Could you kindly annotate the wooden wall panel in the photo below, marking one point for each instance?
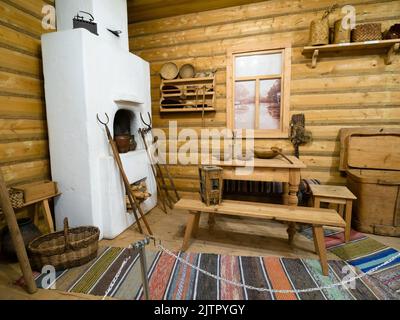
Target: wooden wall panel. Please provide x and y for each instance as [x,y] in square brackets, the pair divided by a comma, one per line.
[23,129]
[353,89]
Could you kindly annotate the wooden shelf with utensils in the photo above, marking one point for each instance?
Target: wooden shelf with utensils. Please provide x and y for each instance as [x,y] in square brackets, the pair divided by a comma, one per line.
[188,95]
[388,46]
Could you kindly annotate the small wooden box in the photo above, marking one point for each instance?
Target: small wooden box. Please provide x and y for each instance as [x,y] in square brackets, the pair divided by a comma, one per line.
[38,190]
[211,184]
[371,159]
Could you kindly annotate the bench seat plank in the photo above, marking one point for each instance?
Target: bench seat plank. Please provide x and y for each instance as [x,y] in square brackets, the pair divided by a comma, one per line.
[313,216]
[292,214]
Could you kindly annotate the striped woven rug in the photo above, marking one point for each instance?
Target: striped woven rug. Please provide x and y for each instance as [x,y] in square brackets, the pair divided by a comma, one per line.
[173,280]
[364,253]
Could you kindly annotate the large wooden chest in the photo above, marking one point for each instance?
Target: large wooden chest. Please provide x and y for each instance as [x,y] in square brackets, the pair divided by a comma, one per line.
[371,159]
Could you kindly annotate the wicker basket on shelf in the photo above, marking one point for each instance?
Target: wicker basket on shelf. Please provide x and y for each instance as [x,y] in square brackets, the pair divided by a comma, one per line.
[65,249]
[367,32]
[319,29]
[16,198]
[319,32]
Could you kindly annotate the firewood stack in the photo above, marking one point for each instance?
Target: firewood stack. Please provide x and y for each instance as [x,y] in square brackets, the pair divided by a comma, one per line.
[140,192]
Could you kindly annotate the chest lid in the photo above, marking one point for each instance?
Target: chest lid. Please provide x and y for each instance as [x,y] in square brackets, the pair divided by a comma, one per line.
[370,148]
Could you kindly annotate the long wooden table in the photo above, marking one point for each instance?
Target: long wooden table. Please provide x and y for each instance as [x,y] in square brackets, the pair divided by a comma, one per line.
[317,218]
[268,170]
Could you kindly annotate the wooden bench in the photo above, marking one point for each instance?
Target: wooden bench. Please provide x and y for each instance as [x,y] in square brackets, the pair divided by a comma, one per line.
[317,218]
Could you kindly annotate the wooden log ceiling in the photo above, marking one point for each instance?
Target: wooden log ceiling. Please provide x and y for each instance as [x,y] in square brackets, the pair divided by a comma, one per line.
[144,10]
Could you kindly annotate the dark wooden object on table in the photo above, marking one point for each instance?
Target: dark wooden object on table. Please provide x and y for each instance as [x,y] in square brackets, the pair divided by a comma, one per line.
[16,237]
[211,184]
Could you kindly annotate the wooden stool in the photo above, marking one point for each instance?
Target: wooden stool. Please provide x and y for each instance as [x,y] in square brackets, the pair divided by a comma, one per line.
[338,195]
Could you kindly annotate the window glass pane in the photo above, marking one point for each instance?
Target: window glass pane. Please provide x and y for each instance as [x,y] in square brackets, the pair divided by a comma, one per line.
[245,104]
[270,104]
[258,65]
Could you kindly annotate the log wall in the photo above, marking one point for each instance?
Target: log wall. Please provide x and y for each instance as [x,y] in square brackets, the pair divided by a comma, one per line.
[23,137]
[346,90]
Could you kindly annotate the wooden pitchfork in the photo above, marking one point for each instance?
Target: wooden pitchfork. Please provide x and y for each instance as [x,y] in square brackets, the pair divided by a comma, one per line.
[154,170]
[131,196]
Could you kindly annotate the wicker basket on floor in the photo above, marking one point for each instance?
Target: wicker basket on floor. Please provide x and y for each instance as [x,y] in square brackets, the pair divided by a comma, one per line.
[65,249]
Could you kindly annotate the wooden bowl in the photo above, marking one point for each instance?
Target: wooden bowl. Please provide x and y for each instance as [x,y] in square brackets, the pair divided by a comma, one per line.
[265,154]
[169,71]
[187,71]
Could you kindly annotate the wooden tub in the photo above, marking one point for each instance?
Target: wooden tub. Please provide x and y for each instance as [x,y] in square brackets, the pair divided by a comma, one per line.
[371,159]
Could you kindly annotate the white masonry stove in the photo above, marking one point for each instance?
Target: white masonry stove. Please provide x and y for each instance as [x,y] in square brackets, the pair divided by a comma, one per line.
[86,75]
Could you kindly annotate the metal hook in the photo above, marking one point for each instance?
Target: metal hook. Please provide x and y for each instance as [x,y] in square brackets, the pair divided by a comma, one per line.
[148,125]
[103,123]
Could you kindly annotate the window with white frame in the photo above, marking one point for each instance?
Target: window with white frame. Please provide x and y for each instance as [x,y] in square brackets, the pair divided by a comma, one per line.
[258,83]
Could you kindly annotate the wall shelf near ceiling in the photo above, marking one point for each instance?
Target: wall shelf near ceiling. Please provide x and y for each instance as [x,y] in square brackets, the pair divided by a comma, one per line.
[188,95]
[388,46]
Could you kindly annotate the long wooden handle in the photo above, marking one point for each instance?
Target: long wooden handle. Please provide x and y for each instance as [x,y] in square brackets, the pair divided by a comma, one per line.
[132,199]
[16,237]
[154,169]
[276,150]
[126,182]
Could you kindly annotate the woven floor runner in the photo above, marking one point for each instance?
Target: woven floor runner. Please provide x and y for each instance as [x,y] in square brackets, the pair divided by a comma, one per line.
[172,280]
[364,253]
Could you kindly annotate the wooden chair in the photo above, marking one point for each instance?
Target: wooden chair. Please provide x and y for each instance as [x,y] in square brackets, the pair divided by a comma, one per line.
[338,195]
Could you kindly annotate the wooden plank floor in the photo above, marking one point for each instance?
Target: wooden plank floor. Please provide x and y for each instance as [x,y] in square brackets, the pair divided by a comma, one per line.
[234,236]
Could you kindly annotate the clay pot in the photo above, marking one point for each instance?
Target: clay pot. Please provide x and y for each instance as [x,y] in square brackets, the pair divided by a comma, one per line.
[123,143]
[29,232]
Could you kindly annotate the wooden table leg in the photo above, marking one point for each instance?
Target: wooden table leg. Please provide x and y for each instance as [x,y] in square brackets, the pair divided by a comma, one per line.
[294,184]
[347,218]
[47,215]
[320,248]
[286,193]
[291,231]
[193,217]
